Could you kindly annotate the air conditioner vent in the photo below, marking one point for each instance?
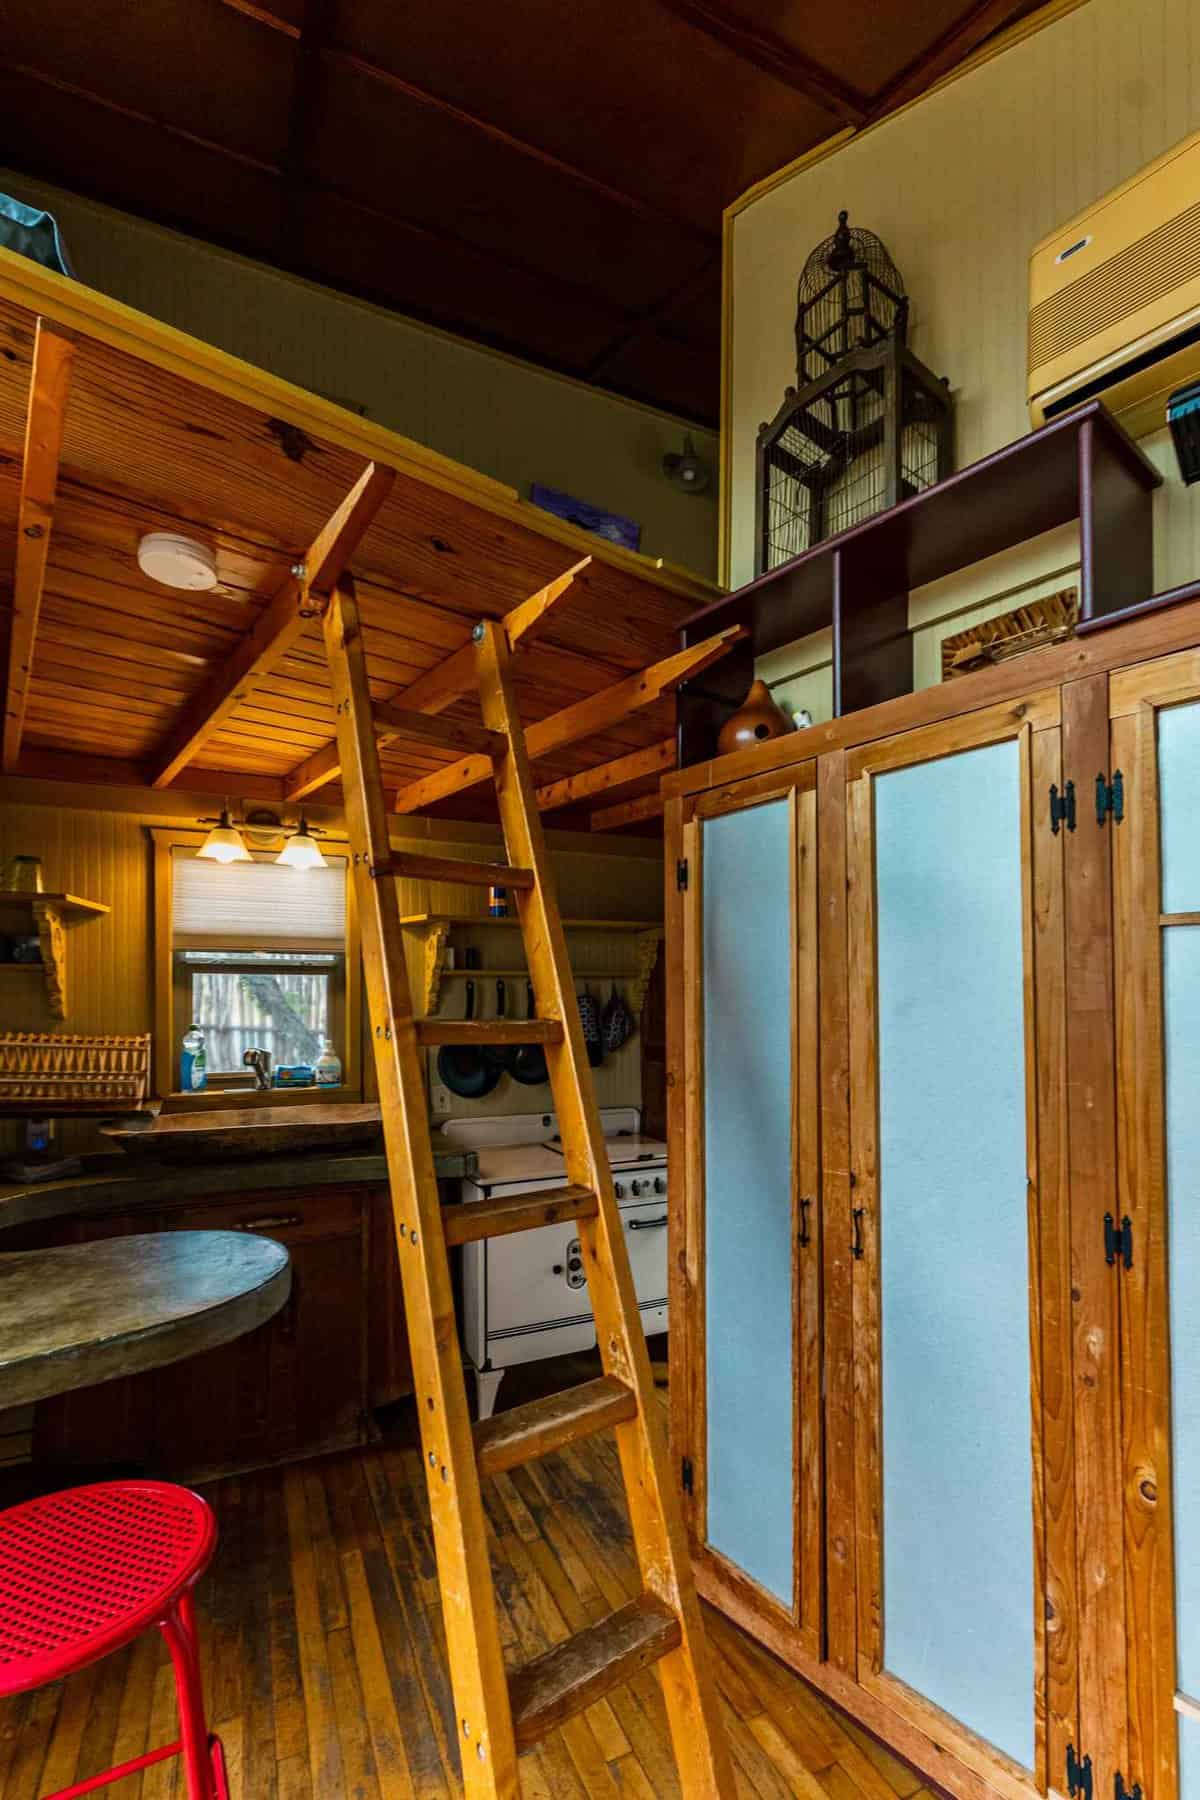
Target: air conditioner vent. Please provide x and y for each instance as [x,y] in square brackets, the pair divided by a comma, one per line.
[1136,277]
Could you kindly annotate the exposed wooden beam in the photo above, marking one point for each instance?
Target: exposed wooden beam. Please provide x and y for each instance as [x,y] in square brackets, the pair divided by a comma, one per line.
[277,627]
[440,686]
[450,734]
[650,319]
[605,776]
[631,812]
[49,389]
[781,60]
[586,718]
[306,81]
[977,24]
[484,127]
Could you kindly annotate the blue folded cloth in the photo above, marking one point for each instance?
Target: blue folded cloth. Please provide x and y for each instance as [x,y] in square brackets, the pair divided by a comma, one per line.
[34,234]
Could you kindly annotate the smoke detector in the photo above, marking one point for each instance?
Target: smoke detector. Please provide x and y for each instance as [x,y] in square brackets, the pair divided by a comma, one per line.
[178,562]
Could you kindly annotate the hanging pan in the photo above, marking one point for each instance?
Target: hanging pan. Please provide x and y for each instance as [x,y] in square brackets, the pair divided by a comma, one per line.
[464,1068]
[528,1065]
[501,1057]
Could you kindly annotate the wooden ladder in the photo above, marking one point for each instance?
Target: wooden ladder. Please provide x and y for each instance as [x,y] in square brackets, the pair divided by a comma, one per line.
[499,1714]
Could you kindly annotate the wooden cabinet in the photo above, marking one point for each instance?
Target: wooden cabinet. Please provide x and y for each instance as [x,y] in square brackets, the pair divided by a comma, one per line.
[297,1385]
[934,1067]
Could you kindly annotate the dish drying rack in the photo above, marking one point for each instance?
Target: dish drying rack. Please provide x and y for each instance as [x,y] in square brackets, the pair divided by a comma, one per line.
[61,1074]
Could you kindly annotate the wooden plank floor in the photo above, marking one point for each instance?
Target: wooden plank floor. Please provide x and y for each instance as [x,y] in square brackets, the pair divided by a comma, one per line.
[324,1667]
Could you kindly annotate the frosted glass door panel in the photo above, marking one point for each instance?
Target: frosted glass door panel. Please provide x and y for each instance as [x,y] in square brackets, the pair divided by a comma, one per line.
[748,955]
[958,1595]
[1189,1758]
[1178,784]
[1181,1008]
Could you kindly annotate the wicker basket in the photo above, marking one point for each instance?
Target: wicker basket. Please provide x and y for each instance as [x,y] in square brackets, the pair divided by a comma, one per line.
[73,1073]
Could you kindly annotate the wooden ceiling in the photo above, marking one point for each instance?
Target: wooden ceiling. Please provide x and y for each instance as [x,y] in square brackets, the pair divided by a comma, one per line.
[112,425]
[543,178]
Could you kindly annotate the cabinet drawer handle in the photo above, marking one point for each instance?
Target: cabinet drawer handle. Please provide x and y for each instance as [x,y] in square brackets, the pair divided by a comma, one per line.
[856,1249]
[805,1236]
[648,1224]
[271,1222]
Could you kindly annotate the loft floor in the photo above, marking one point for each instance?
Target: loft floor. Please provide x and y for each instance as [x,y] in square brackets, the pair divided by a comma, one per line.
[325,1671]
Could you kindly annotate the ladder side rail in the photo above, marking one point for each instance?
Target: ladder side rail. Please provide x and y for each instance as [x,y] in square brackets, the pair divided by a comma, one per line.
[654,1508]
[485,1731]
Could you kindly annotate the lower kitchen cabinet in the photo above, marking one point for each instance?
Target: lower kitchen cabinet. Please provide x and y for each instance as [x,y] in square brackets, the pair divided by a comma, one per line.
[295,1386]
[298,1383]
[933,1003]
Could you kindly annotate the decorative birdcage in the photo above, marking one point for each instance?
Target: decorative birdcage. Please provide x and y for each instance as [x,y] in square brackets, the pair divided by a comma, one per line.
[868,425]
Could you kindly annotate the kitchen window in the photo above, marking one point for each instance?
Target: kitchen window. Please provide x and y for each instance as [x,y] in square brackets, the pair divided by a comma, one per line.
[259,956]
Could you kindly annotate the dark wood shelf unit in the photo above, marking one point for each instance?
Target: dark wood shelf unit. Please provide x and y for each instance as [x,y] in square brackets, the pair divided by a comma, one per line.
[1082,466]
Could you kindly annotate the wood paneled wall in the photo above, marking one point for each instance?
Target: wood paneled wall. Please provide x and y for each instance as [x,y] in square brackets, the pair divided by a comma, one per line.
[960,186]
[105,855]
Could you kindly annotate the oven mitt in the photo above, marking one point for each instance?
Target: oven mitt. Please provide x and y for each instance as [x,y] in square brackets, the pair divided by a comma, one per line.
[589,1018]
[616,1022]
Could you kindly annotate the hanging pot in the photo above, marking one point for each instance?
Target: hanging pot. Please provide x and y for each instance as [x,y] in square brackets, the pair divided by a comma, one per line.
[617,1024]
[464,1068]
[529,1060]
[756,719]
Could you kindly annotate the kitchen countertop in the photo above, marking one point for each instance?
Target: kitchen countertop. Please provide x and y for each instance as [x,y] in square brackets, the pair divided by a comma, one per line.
[111,1181]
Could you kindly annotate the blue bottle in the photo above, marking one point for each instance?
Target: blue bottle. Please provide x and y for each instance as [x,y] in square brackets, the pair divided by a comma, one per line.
[193,1061]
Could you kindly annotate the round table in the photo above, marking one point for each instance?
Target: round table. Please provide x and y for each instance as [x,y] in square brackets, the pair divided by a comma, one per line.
[89,1312]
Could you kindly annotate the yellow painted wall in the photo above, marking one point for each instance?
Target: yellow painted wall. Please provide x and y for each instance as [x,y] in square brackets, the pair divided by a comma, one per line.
[493,413]
[960,187]
[106,855]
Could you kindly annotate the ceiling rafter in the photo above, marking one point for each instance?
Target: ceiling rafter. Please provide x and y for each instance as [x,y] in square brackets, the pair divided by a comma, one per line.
[429,234]
[441,685]
[629,812]
[49,390]
[620,772]
[953,47]
[277,627]
[485,127]
[775,57]
[306,82]
[650,320]
[585,718]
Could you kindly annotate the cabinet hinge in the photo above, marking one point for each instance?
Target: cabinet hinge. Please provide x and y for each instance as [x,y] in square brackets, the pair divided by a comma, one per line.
[1062,806]
[1121,1792]
[686,1475]
[681,873]
[1110,798]
[1079,1774]
[1118,1240]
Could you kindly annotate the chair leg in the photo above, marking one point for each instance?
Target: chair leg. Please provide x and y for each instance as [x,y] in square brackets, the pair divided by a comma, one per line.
[179,1629]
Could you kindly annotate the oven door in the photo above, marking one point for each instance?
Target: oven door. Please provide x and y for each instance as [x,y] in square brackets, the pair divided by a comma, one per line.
[645,1224]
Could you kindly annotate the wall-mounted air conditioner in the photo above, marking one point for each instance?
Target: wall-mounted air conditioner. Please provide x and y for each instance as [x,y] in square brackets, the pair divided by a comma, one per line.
[1114,298]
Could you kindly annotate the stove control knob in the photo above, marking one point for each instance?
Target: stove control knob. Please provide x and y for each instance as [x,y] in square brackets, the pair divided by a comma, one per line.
[660,1186]
[635,1188]
[618,1190]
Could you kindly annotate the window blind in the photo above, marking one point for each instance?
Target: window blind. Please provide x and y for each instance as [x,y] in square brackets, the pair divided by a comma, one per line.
[257,905]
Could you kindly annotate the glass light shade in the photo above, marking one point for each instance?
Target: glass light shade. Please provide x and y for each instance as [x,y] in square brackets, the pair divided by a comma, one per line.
[301,850]
[224,843]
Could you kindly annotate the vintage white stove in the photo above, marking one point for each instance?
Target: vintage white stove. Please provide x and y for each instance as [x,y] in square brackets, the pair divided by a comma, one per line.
[525,1296]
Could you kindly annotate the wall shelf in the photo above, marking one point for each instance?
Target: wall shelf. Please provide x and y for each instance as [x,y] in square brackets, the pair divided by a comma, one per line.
[428,938]
[51,917]
[1082,466]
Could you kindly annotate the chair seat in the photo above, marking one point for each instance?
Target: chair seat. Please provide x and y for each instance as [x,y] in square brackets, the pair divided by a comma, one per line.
[84,1571]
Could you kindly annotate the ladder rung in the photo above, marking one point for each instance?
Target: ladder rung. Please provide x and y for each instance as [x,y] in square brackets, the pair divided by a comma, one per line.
[412,866]
[489,1031]
[434,728]
[540,1426]
[516,1212]
[584,1668]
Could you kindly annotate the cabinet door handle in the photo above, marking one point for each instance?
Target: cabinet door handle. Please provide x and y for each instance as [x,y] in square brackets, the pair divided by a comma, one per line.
[648,1224]
[805,1236]
[271,1222]
[856,1248]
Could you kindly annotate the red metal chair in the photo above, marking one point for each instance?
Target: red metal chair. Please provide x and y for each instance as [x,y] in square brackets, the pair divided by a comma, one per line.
[83,1573]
